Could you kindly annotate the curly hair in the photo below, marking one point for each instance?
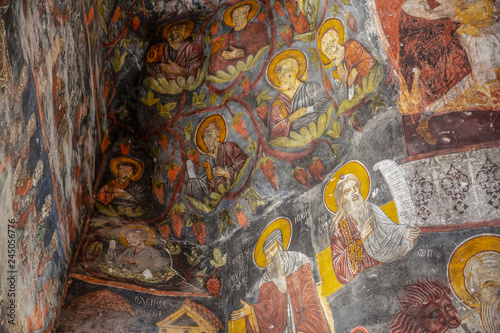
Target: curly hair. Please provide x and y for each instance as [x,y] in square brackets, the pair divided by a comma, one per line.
[412,298]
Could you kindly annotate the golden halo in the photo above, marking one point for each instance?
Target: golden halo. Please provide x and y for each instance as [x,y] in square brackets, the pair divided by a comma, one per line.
[254,8]
[327,24]
[458,259]
[213,118]
[115,162]
[357,169]
[286,230]
[298,55]
[123,234]
[189,28]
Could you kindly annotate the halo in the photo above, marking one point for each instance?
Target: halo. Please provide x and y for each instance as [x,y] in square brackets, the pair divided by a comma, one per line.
[254,8]
[458,259]
[123,234]
[286,229]
[115,162]
[327,24]
[357,169]
[213,118]
[189,28]
[298,55]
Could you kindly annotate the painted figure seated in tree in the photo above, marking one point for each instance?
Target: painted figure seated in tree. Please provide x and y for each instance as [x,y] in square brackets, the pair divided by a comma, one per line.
[121,196]
[178,56]
[139,257]
[350,58]
[246,38]
[298,103]
[226,157]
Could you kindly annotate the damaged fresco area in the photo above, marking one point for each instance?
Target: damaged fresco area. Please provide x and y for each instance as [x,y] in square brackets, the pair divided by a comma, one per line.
[47,157]
[269,165]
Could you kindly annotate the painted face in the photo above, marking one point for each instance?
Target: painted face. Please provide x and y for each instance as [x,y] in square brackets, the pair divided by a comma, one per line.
[240,17]
[134,239]
[438,316]
[350,191]
[176,35]
[124,172]
[489,281]
[271,252]
[330,46]
[211,139]
[287,71]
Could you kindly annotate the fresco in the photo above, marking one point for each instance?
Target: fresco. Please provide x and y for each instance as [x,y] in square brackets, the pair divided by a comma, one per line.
[45,169]
[257,165]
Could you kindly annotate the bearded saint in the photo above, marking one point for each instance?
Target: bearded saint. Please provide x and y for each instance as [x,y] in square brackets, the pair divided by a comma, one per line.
[288,300]
[482,281]
[363,235]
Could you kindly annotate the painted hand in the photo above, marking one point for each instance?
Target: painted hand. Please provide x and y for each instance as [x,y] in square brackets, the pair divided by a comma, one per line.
[243,312]
[298,114]
[221,172]
[342,71]
[411,234]
[367,229]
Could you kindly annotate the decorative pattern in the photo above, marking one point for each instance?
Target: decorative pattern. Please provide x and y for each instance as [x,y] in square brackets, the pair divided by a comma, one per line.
[488,177]
[456,185]
[422,191]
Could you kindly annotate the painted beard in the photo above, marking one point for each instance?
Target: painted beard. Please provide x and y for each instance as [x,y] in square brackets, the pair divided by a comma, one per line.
[490,316]
[355,208]
[276,271]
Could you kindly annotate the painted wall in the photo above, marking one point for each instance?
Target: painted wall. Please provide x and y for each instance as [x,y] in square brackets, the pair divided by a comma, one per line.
[316,165]
[47,156]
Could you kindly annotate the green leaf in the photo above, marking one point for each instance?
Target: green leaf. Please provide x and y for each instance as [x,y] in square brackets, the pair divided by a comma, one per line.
[335,9]
[164,110]
[213,99]
[198,99]
[207,39]
[188,130]
[251,147]
[279,44]
[150,100]
[346,2]
[376,103]
[227,95]
[102,11]
[118,60]
[334,151]
[263,96]
[314,56]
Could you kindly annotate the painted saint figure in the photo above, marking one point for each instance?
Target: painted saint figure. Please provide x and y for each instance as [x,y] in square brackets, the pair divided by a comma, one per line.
[298,103]
[351,59]
[302,14]
[288,299]
[362,235]
[482,282]
[226,157]
[177,57]
[426,306]
[140,256]
[121,191]
[246,38]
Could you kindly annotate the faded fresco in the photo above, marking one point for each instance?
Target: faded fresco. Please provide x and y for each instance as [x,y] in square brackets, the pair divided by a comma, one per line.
[46,156]
[253,166]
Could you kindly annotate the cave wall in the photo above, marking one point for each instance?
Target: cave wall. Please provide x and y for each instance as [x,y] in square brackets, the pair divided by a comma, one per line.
[175,239]
[47,156]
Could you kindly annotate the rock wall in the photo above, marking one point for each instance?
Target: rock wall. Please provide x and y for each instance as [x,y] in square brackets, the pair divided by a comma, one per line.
[47,156]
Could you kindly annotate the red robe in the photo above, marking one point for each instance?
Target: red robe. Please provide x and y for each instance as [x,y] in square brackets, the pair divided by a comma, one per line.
[357,56]
[349,257]
[188,56]
[432,47]
[229,157]
[250,39]
[271,308]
